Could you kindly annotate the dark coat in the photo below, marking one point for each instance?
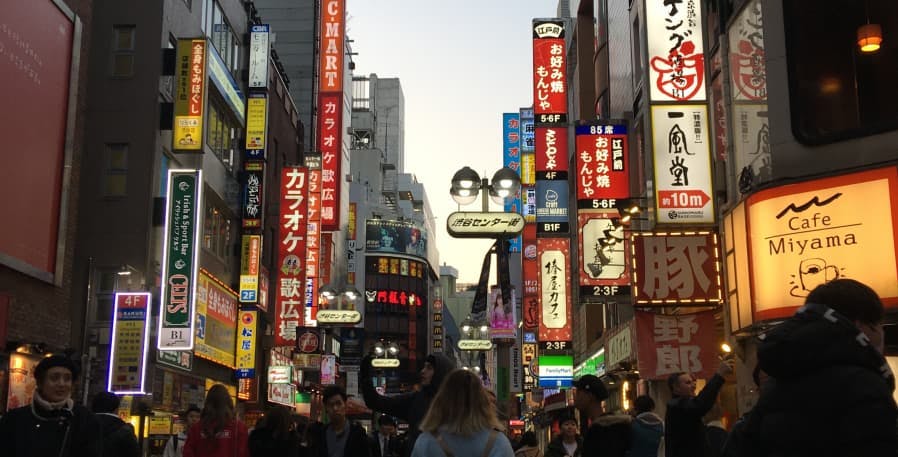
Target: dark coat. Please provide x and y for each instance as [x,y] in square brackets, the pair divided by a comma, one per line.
[608,436]
[262,443]
[393,444]
[715,439]
[410,407]
[646,433]
[31,431]
[356,443]
[119,438]
[829,393]
[685,432]
[556,448]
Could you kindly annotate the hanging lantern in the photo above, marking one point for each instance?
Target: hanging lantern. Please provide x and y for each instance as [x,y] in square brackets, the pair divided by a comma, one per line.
[869,37]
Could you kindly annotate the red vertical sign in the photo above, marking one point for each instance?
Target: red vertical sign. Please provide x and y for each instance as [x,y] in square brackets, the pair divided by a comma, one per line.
[676,268]
[554,285]
[549,71]
[530,267]
[290,284]
[672,344]
[330,143]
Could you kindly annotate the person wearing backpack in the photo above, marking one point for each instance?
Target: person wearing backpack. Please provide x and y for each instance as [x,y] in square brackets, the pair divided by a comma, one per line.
[175,445]
[119,438]
[461,422]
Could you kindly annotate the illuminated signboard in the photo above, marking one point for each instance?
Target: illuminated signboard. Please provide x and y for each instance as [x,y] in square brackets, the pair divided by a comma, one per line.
[554,278]
[259,48]
[293,223]
[675,50]
[251,247]
[190,99]
[216,320]
[256,125]
[556,371]
[683,343]
[253,193]
[602,163]
[246,344]
[675,268]
[130,340]
[464,224]
[603,255]
[330,143]
[549,71]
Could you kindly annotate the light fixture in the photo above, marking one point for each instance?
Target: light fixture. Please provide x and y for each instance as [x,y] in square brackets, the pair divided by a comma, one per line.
[484,329]
[393,348]
[379,348]
[725,347]
[869,37]
[505,184]
[466,178]
[328,293]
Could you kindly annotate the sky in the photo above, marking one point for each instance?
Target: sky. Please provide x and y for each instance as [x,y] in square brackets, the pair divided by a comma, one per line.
[461,65]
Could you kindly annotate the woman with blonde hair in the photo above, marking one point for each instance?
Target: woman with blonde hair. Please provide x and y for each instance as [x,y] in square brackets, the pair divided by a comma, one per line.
[462,422]
[218,433]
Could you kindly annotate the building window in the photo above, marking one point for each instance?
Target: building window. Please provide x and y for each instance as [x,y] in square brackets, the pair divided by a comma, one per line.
[189,4]
[104,285]
[217,231]
[123,51]
[222,132]
[836,91]
[221,34]
[115,178]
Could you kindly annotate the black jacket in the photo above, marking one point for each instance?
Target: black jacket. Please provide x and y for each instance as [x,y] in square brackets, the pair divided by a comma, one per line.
[608,436]
[356,444]
[393,444]
[830,394]
[684,434]
[31,431]
[556,448]
[118,437]
[262,443]
[411,406]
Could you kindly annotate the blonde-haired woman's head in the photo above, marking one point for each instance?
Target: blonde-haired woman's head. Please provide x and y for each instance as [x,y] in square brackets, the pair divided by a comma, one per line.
[461,406]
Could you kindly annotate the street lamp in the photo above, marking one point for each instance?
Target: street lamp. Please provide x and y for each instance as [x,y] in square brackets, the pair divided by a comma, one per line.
[466,184]
[475,335]
[385,355]
[339,307]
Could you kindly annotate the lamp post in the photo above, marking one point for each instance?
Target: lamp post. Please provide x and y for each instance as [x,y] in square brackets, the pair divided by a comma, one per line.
[466,184]
[339,306]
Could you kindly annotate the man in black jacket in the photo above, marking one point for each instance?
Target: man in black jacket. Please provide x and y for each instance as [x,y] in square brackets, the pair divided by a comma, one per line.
[608,434]
[410,407]
[119,438]
[684,430]
[339,437]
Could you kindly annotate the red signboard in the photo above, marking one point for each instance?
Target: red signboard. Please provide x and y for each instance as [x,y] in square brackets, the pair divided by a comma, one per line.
[530,267]
[602,169]
[549,71]
[551,150]
[603,251]
[290,284]
[669,344]
[330,57]
[675,268]
[330,143]
[554,290]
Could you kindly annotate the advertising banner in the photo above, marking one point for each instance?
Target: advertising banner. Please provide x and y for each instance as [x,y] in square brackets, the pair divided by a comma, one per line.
[530,273]
[264,280]
[177,359]
[748,63]
[511,158]
[527,131]
[682,159]
[528,359]
[751,141]
[253,193]
[256,125]
[602,169]
[556,371]
[246,344]
[675,50]
[259,48]
[331,48]
[529,209]
[619,345]
[516,383]
[551,153]
[328,369]
[281,394]
[675,268]
[603,255]
[216,320]
[351,253]
[549,71]
[555,299]
[676,343]
[251,252]
[552,207]
[404,237]
[313,244]
[190,98]
[291,255]
[130,341]
[180,259]
[21,380]
[806,234]
[330,143]
[502,319]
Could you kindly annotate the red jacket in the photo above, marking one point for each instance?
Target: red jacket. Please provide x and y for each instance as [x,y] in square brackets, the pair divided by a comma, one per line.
[230,442]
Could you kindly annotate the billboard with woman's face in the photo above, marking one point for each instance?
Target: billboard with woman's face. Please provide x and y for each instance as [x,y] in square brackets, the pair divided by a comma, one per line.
[403,237]
[501,314]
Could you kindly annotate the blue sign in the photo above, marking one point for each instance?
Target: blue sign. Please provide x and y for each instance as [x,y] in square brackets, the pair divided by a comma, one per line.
[555,382]
[551,201]
[604,129]
[245,373]
[511,158]
[530,337]
[247,296]
[527,130]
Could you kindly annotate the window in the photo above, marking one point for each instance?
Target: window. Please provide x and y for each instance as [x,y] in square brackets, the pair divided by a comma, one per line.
[123,51]
[104,285]
[217,231]
[221,34]
[115,179]
[222,131]
[836,91]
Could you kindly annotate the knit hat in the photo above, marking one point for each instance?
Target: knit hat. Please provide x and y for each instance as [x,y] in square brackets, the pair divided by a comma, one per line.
[593,385]
[55,361]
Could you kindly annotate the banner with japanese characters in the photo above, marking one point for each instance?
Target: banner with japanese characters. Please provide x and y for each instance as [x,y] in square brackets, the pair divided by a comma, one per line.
[668,344]
[527,131]
[330,143]
[601,158]
[130,340]
[555,297]
[351,243]
[253,193]
[190,97]
[680,268]
[250,255]
[313,246]
[259,49]
[682,159]
[675,50]
[331,46]
[603,254]
[549,71]
[256,125]
[530,273]
[246,344]
[216,320]
[291,244]
[552,181]
[511,158]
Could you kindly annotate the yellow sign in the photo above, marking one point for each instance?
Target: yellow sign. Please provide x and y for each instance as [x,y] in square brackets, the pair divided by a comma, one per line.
[246,344]
[216,325]
[256,110]
[190,99]
[806,234]
[160,425]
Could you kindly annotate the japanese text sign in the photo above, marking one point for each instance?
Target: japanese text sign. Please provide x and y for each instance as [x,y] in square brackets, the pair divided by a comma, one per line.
[671,344]
[259,48]
[511,158]
[253,192]
[603,253]
[549,71]
[330,143]
[619,346]
[530,274]
[601,158]
[246,344]
[216,316]
[682,158]
[331,50]
[313,246]
[527,130]
[748,57]
[555,299]
[809,233]
[551,153]
[675,268]
[291,255]
[256,125]
[251,248]
[130,340]
[552,207]
[180,259]
[190,100]
[675,50]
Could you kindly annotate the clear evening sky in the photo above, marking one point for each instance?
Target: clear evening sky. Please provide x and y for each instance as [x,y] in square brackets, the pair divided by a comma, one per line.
[461,63]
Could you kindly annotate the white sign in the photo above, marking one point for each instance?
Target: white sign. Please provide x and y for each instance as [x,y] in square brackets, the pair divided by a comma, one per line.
[553,294]
[619,347]
[484,224]
[682,158]
[384,363]
[281,394]
[259,48]
[556,371]
[475,345]
[280,374]
[751,140]
[338,316]
[675,50]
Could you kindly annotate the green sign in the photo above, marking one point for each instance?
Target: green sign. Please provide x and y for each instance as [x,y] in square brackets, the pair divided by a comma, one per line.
[179,273]
[177,359]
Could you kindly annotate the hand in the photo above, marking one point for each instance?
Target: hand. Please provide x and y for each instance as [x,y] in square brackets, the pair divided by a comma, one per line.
[726,367]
